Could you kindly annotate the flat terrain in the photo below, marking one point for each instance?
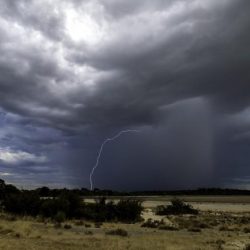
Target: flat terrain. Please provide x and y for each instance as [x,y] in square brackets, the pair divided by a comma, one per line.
[223,223]
[204,203]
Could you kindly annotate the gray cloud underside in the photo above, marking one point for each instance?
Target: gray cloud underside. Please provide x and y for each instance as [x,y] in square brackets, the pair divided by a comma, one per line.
[152,62]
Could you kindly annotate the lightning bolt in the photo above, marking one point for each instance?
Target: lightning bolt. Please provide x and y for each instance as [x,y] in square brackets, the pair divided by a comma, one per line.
[101,149]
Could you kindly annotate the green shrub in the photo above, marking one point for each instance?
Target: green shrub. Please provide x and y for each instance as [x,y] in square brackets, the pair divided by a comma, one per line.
[68,203]
[244,220]
[126,210]
[168,228]
[177,207]
[17,235]
[194,229]
[202,225]
[79,223]
[129,210]
[60,217]
[74,204]
[246,230]
[119,232]
[98,224]
[220,242]
[48,208]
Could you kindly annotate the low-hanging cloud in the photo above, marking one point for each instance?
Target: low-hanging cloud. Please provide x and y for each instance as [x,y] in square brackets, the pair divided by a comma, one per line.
[12,157]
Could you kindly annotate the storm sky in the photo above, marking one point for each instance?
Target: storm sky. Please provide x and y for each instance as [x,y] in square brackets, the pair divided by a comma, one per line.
[73,73]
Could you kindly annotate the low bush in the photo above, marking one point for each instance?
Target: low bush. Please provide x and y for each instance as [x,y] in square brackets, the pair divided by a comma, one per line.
[119,232]
[60,217]
[17,235]
[88,233]
[177,207]
[126,210]
[244,220]
[228,229]
[246,230]
[98,224]
[67,226]
[168,228]
[129,210]
[202,225]
[220,242]
[79,223]
[194,229]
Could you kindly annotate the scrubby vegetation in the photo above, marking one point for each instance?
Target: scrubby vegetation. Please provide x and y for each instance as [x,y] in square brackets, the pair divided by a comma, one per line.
[126,210]
[118,232]
[67,205]
[66,221]
[160,224]
[152,223]
[177,207]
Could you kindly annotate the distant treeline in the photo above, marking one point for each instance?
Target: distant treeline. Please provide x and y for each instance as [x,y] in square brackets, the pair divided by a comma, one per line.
[84,192]
[46,192]
[199,191]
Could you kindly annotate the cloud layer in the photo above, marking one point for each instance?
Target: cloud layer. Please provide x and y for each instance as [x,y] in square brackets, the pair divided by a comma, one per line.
[75,72]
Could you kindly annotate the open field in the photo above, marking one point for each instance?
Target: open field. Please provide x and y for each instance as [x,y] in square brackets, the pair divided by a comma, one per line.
[215,228]
[191,198]
[204,203]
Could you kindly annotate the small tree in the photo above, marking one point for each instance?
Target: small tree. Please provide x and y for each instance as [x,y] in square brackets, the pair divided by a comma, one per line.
[129,210]
[60,217]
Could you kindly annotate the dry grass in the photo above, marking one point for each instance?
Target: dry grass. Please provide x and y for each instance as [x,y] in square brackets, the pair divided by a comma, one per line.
[208,230]
[30,234]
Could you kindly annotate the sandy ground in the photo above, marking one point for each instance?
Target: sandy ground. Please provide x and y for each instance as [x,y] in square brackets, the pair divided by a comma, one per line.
[29,234]
[207,206]
[222,224]
[234,204]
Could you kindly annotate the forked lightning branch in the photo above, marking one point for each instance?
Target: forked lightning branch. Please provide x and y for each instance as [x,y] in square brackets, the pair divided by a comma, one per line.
[101,149]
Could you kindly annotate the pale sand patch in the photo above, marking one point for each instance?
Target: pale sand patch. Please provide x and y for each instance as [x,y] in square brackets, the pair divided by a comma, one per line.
[228,204]
[149,214]
[207,206]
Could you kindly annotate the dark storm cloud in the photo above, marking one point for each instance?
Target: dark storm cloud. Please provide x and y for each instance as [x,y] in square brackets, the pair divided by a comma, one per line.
[74,72]
[205,54]
[175,55]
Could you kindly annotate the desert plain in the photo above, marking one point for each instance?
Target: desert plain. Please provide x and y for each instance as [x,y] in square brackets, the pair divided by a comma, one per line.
[223,222]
